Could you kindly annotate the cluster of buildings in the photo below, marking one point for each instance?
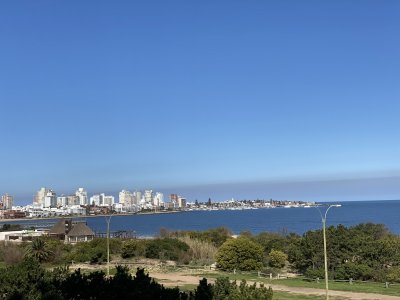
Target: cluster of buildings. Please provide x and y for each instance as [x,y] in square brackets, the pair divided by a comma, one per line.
[46,203]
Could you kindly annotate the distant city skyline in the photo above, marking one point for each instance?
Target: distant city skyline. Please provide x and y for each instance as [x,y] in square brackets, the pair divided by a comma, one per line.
[286,100]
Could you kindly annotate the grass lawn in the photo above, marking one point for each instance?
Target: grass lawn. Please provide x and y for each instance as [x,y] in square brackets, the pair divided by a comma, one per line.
[370,287]
[278,295]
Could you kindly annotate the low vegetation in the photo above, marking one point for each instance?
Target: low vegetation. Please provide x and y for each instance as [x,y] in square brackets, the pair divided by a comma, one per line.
[29,280]
[240,254]
[363,252]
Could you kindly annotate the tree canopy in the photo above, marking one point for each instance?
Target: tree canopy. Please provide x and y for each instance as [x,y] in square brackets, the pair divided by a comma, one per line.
[241,253]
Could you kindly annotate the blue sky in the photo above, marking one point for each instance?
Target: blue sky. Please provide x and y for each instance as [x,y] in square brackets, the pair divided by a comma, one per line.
[244,99]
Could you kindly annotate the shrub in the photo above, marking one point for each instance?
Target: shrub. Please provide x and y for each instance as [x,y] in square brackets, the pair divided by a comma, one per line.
[315,273]
[12,254]
[277,259]
[393,274]
[202,252]
[353,270]
[168,249]
[241,253]
[132,248]
[216,236]
[224,289]
[94,251]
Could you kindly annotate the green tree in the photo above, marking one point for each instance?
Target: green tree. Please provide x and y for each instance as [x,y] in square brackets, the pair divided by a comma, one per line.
[365,251]
[38,250]
[204,290]
[27,280]
[241,254]
[277,259]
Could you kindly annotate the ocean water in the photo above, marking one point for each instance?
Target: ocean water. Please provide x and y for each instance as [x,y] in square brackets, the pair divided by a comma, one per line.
[298,220]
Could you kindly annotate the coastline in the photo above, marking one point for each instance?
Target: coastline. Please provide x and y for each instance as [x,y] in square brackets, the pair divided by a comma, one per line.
[90,216]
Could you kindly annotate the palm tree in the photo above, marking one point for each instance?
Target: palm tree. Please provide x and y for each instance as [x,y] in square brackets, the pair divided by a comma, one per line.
[38,250]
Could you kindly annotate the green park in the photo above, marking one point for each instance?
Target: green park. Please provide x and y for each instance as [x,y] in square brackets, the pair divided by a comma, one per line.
[209,264]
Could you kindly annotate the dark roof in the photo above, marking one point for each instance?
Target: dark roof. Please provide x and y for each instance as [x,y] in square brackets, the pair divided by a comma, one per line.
[80,229]
[59,228]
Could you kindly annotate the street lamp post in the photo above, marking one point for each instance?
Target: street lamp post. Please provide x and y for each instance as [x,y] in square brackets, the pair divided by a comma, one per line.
[108,220]
[323,218]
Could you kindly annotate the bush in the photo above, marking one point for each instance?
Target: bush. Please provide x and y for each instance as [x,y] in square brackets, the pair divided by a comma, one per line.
[315,273]
[216,236]
[241,254]
[133,248]
[201,252]
[355,271]
[12,254]
[277,259]
[115,244]
[94,251]
[166,249]
[224,289]
[29,280]
[393,275]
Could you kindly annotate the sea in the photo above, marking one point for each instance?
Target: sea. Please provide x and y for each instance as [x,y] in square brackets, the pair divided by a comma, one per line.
[280,220]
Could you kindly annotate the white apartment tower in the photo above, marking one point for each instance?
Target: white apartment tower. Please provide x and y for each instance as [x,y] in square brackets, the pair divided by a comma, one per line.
[96,200]
[40,195]
[102,200]
[138,197]
[73,200]
[126,198]
[108,200]
[62,200]
[7,201]
[181,202]
[148,196]
[82,195]
[50,200]
[158,200]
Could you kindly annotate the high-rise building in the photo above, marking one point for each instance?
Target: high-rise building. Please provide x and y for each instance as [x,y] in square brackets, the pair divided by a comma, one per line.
[96,200]
[158,199]
[138,197]
[40,195]
[62,200]
[73,200]
[108,200]
[7,201]
[181,202]
[148,196]
[126,198]
[50,200]
[82,195]
[102,200]
[174,199]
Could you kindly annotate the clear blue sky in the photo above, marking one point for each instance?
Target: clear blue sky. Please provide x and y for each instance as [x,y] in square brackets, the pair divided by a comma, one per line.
[220,99]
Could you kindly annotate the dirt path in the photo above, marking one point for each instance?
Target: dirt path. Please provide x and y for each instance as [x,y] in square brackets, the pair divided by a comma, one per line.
[179,279]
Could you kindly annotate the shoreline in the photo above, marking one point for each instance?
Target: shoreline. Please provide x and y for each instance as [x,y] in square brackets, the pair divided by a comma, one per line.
[90,216]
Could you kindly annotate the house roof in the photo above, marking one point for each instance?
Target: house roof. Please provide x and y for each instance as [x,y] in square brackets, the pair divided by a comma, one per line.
[58,228]
[80,229]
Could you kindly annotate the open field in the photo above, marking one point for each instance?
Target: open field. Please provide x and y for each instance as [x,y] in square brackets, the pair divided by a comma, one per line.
[281,290]
[293,288]
[365,287]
